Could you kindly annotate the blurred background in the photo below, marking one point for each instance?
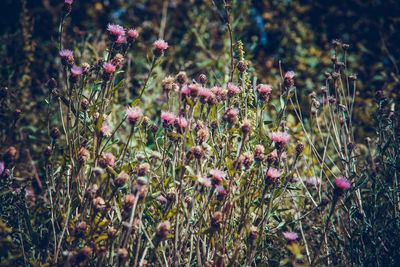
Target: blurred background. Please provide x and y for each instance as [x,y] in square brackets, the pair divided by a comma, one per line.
[296,32]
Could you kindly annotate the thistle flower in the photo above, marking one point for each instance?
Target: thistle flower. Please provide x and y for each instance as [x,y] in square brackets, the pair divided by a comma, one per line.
[122,178]
[217,176]
[221,192]
[181,123]
[232,89]
[231,115]
[159,47]
[181,77]
[105,129]
[204,181]
[75,71]
[264,91]
[83,155]
[115,31]
[168,83]
[219,92]
[108,161]
[133,114]
[313,181]
[291,236]
[288,80]
[121,39]
[129,201]
[109,67]
[259,153]
[167,118]
[69,2]
[67,6]
[161,198]
[204,93]
[273,173]
[67,57]
[280,139]
[132,35]
[341,184]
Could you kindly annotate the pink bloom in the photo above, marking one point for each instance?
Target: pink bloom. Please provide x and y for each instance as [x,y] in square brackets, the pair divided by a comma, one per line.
[264,88]
[109,67]
[160,44]
[290,75]
[273,173]
[233,89]
[218,174]
[121,39]
[133,114]
[232,111]
[161,198]
[313,181]
[133,33]
[275,154]
[342,183]
[205,92]
[182,122]
[280,137]
[217,90]
[68,2]
[75,71]
[221,190]
[105,129]
[204,181]
[290,236]
[66,53]
[168,117]
[185,90]
[110,159]
[115,29]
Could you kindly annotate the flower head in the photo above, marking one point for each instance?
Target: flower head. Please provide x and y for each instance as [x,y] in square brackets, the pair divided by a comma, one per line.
[68,2]
[181,122]
[133,33]
[75,71]
[109,67]
[109,159]
[66,53]
[221,190]
[121,39]
[185,90]
[290,75]
[233,89]
[313,181]
[105,129]
[133,114]
[264,88]
[290,236]
[218,174]
[115,29]
[342,183]
[168,117]
[204,181]
[160,44]
[280,137]
[204,92]
[161,198]
[275,154]
[273,173]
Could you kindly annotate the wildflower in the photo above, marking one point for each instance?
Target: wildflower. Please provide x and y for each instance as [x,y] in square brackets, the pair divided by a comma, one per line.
[259,153]
[184,90]
[105,129]
[194,90]
[122,178]
[121,40]
[280,139]
[108,161]
[216,220]
[271,175]
[204,93]
[202,135]
[232,89]
[221,192]
[98,203]
[168,84]
[246,126]
[217,176]
[313,181]
[69,2]
[117,61]
[264,91]
[290,236]
[204,181]
[83,155]
[75,72]
[248,159]
[109,69]
[212,100]
[181,123]
[115,31]
[341,184]
[142,169]
[181,77]
[129,201]
[219,92]
[242,66]
[67,57]
[132,35]
[67,6]
[85,67]
[161,198]
[133,114]
[202,78]
[163,229]
[159,47]
[231,115]
[167,118]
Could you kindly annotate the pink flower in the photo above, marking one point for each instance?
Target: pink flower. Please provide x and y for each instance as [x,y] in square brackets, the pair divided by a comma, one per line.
[110,159]
[233,111]
[105,129]
[109,67]
[264,88]
[75,71]
[342,183]
[161,198]
[290,75]
[217,90]
[221,190]
[218,174]
[133,114]
[273,173]
[168,117]
[185,90]
[121,39]
[182,122]
[233,89]
[290,236]
[280,137]
[160,44]
[115,29]
[68,2]
[30,195]
[204,181]
[66,53]
[204,92]
[133,33]
[313,181]
[275,154]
